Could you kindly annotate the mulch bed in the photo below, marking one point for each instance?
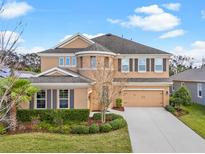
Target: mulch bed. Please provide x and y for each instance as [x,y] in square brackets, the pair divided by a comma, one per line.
[118,108]
[180,112]
[91,121]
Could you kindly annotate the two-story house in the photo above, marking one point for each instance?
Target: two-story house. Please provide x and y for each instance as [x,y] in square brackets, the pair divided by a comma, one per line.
[66,81]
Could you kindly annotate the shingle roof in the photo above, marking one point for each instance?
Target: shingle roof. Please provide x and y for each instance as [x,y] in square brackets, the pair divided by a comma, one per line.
[61,79]
[61,50]
[196,75]
[124,46]
[111,43]
[58,79]
[95,47]
[141,80]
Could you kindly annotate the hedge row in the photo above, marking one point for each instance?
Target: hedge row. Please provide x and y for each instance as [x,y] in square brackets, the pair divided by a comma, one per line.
[103,128]
[116,123]
[109,116]
[50,115]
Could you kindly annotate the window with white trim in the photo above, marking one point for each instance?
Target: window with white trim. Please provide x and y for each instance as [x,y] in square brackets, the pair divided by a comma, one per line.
[41,99]
[158,65]
[67,60]
[93,62]
[142,65]
[173,88]
[61,61]
[63,98]
[106,62]
[74,60]
[81,62]
[125,65]
[199,90]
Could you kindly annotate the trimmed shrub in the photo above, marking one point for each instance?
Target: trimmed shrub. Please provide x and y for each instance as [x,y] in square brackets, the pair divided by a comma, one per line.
[97,116]
[61,129]
[58,120]
[170,108]
[54,116]
[118,102]
[115,116]
[94,129]
[118,123]
[109,116]
[80,129]
[2,129]
[44,126]
[105,128]
[181,96]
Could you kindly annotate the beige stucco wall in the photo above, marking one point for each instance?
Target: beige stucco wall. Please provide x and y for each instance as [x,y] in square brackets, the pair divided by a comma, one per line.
[50,62]
[141,74]
[81,98]
[77,43]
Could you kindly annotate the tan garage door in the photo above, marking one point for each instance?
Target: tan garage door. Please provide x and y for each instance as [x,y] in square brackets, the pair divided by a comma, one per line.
[142,98]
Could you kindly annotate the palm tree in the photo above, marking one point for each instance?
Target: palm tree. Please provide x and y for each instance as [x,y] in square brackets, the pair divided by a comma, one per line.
[17,91]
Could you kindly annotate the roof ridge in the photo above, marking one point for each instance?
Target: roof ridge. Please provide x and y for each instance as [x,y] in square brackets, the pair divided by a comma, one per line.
[126,39]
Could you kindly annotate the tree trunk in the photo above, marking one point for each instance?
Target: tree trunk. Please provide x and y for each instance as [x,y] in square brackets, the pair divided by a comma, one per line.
[103,116]
[13,120]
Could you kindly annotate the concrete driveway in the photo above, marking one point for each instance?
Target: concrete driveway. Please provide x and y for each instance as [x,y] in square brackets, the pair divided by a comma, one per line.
[156,130]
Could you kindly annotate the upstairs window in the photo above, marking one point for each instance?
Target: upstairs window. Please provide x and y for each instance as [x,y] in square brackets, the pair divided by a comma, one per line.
[81,62]
[74,60]
[67,60]
[199,90]
[142,64]
[93,62]
[158,65]
[106,62]
[125,65]
[61,61]
[63,99]
[41,99]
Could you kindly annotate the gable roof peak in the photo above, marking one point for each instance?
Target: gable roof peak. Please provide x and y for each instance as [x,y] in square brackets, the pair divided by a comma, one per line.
[69,39]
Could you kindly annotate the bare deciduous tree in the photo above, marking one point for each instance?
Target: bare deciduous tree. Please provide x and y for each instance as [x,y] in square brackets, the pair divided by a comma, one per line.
[105,91]
[10,93]
[180,63]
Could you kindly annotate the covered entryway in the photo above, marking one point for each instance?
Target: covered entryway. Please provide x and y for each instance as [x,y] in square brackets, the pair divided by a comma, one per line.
[142,98]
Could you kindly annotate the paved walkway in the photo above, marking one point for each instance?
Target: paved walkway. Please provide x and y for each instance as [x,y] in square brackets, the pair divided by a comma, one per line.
[156,130]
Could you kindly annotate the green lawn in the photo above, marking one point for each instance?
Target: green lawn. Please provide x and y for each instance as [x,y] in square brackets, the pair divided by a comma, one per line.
[195,119]
[116,141]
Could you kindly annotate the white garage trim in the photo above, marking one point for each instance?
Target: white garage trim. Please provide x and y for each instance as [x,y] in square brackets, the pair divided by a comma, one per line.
[146,89]
[144,83]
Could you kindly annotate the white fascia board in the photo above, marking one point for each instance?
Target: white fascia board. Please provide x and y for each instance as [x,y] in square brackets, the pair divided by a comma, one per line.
[72,38]
[95,52]
[144,55]
[144,83]
[142,89]
[174,80]
[55,54]
[61,85]
[56,69]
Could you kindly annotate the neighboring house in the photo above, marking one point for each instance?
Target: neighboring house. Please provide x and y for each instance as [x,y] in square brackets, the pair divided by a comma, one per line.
[66,79]
[6,72]
[194,80]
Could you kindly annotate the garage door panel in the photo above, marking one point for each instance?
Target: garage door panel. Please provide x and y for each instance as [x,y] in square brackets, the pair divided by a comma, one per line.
[142,98]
